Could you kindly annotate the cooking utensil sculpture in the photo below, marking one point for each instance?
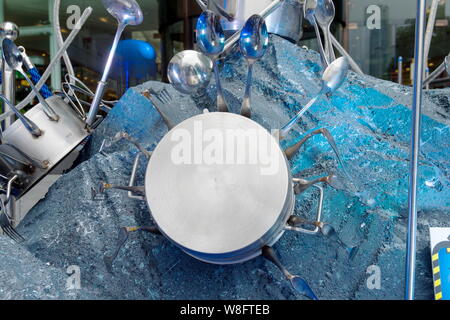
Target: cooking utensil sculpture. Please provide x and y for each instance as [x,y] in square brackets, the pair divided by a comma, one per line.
[127,12]
[188,76]
[223,204]
[32,146]
[253,43]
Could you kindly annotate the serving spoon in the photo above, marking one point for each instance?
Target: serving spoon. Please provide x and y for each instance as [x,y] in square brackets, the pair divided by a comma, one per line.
[298,283]
[332,79]
[126,12]
[325,13]
[253,42]
[309,10]
[211,41]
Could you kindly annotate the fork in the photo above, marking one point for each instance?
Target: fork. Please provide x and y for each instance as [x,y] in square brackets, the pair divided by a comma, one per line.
[164,97]
[6,226]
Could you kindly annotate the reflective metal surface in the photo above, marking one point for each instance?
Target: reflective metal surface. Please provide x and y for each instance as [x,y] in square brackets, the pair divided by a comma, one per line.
[9,30]
[219,212]
[335,74]
[190,71]
[58,138]
[32,128]
[325,12]
[287,21]
[254,39]
[125,11]
[254,42]
[210,35]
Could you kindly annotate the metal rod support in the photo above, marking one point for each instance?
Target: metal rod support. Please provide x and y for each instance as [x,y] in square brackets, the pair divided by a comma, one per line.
[415,146]
[430,28]
[435,74]
[341,49]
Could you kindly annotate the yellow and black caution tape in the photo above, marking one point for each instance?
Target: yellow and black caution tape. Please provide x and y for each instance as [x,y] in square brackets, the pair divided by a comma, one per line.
[438,285]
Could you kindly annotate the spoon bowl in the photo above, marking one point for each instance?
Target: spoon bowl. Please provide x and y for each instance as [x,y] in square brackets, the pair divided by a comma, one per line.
[12,55]
[254,39]
[190,71]
[126,12]
[9,30]
[309,9]
[324,12]
[335,74]
[302,287]
[210,34]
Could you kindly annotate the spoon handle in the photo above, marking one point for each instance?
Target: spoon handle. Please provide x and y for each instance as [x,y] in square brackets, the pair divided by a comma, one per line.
[320,44]
[28,124]
[221,104]
[245,109]
[285,130]
[92,115]
[51,114]
[270,255]
[329,45]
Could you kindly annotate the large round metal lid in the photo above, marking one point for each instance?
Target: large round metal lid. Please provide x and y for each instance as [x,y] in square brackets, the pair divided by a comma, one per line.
[217,183]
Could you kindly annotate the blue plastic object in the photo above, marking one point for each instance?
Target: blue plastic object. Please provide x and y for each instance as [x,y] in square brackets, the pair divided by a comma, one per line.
[136,60]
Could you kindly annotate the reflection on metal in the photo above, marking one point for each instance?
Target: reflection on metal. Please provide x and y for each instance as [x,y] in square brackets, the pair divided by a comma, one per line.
[415,146]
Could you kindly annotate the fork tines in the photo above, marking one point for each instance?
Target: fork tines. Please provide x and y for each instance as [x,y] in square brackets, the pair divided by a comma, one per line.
[7,228]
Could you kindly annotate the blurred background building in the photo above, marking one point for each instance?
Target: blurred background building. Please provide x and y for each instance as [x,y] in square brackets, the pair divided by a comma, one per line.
[375,33]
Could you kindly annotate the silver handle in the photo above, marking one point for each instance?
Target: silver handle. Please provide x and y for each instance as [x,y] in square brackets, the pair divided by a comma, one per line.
[318,219]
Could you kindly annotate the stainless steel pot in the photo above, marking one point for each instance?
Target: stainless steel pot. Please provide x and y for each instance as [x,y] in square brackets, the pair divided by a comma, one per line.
[58,138]
[220,211]
[286,21]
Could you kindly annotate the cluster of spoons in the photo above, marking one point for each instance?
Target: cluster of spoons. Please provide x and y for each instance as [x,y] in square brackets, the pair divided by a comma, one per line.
[190,71]
[322,12]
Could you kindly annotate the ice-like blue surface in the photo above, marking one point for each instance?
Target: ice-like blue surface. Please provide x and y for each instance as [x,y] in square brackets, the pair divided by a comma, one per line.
[370,121]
